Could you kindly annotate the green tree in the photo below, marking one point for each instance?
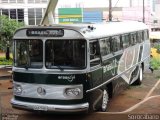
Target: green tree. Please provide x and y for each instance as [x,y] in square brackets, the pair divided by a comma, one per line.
[7,29]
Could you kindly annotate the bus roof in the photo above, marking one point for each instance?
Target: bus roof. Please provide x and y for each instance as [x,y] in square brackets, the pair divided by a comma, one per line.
[99,30]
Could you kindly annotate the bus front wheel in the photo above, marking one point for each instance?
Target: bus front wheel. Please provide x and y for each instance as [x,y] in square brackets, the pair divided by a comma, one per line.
[105,100]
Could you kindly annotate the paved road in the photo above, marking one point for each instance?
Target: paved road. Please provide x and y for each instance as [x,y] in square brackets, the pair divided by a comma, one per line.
[135,100]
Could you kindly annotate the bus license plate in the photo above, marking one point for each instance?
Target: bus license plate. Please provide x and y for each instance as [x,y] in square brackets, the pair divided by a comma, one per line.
[38,107]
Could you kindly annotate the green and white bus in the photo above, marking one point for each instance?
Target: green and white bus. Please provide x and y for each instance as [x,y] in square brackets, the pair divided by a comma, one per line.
[78,67]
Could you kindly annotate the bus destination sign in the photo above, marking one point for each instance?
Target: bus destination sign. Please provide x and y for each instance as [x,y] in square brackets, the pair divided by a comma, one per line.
[45,32]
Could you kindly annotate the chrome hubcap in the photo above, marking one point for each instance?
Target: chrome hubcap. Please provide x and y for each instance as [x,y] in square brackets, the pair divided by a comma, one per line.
[105,100]
[141,74]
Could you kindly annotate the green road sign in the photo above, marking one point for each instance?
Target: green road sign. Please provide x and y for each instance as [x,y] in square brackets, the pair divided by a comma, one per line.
[70,15]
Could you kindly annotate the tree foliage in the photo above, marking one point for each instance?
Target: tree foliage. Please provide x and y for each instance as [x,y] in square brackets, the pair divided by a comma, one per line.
[7,29]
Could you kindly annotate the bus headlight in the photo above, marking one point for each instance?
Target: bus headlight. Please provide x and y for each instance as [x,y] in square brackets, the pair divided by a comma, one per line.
[72,91]
[17,89]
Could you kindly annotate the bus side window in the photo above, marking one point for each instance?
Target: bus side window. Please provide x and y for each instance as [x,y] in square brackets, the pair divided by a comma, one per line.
[125,40]
[105,46]
[140,36]
[21,53]
[108,45]
[133,39]
[147,32]
[130,40]
[145,35]
[94,53]
[116,44]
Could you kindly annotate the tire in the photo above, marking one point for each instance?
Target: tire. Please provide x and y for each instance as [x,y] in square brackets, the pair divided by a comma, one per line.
[140,76]
[105,100]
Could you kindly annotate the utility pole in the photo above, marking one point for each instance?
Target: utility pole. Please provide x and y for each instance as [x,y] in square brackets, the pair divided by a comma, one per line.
[110,10]
[130,3]
[143,11]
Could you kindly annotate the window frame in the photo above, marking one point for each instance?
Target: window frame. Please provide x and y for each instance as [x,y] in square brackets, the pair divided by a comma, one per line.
[107,40]
[145,34]
[113,50]
[15,53]
[80,68]
[126,36]
[133,38]
[141,36]
[94,59]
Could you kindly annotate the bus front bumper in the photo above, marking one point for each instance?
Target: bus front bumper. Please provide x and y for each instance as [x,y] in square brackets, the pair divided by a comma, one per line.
[48,107]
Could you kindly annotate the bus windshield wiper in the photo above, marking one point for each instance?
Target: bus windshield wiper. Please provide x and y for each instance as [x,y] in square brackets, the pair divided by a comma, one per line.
[26,66]
[58,66]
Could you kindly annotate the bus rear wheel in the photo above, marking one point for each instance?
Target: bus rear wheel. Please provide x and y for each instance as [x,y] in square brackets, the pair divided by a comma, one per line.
[140,76]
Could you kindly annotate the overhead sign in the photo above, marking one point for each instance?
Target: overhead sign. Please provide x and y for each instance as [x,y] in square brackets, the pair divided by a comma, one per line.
[92,16]
[45,32]
[70,15]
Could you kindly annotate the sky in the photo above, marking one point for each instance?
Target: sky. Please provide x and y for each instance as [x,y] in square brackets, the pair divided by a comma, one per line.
[103,3]
[93,3]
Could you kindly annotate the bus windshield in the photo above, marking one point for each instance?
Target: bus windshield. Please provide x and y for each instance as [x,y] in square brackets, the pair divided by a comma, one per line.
[65,54]
[58,54]
[29,53]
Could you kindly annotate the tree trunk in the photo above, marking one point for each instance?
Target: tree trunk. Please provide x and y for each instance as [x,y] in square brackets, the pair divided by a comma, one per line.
[7,53]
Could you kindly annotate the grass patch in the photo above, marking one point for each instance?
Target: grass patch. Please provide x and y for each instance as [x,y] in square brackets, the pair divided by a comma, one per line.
[158,77]
[155,63]
[3,61]
[158,48]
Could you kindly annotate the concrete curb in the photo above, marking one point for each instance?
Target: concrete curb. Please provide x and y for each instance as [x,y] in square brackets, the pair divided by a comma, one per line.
[5,66]
[7,75]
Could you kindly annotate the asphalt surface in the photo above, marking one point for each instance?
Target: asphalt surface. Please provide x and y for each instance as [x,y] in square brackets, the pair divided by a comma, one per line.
[135,103]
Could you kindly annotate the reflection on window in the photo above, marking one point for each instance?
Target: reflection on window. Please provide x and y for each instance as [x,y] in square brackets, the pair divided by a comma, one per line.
[34,16]
[17,14]
[105,46]
[12,1]
[4,1]
[146,35]
[37,1]
[94,50]
[65,54]
[5,12]
[44,1]
[125,40]
[13,13]
[20,1]
[133,39]
[30,1]
[29,53]
[20,14]
[94,53]
[116,44]
[139,37]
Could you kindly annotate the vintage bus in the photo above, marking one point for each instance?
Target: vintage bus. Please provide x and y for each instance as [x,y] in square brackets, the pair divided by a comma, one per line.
[78,67]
